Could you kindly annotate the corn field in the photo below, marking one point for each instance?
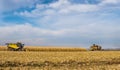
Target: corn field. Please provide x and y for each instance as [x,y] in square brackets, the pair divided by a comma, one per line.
[57,49]
[62,60]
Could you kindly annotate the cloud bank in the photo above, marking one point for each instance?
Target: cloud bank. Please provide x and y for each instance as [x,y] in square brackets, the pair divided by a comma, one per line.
[66,23]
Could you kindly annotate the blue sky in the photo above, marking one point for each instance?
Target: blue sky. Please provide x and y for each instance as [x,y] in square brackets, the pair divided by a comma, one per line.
[61,22]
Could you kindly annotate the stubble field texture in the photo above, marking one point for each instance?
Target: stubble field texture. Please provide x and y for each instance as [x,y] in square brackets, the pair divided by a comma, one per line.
[59,60]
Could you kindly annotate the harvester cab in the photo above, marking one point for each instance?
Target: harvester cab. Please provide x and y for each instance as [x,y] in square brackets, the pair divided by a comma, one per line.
[15,46]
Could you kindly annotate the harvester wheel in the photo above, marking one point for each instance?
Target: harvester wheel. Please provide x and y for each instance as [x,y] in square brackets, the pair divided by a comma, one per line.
[10,49]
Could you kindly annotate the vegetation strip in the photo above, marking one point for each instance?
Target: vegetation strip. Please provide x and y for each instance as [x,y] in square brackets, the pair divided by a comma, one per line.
[49,63]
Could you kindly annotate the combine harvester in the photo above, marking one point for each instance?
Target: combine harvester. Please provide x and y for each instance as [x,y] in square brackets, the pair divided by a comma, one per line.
[95,47]
[15,46]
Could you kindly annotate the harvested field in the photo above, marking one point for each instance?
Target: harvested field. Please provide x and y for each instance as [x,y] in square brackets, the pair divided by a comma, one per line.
[86,60]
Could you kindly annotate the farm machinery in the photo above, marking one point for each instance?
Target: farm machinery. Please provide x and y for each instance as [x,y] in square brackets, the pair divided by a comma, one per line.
[95,47]
[15,46]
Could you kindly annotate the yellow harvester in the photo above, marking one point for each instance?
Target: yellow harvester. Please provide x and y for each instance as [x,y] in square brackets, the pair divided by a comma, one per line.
[15,46]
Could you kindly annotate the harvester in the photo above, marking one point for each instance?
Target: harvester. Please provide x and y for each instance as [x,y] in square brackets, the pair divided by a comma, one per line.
[95,47]
[15,46]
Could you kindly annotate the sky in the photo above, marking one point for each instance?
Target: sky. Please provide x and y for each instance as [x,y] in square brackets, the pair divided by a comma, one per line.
[78,23]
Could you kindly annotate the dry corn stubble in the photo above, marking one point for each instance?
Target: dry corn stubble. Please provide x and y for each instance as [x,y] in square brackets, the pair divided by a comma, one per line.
[86,60]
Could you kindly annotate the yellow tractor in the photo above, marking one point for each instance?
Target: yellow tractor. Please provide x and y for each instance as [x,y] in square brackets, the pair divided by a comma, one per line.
[15,46]
[95,47]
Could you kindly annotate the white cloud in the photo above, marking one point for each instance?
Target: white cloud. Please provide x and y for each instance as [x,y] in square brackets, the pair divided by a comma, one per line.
[111,1]
[65,15]
[63,20]
[60,4]
[26,33]
[79,8]
[60,7]
[26,30]
[66,7]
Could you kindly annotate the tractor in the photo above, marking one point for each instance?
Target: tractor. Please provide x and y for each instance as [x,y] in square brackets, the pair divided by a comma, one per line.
[15,46]
[95,47]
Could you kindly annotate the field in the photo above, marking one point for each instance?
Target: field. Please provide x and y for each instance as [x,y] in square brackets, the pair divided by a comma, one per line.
[45,48]
[59,60]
